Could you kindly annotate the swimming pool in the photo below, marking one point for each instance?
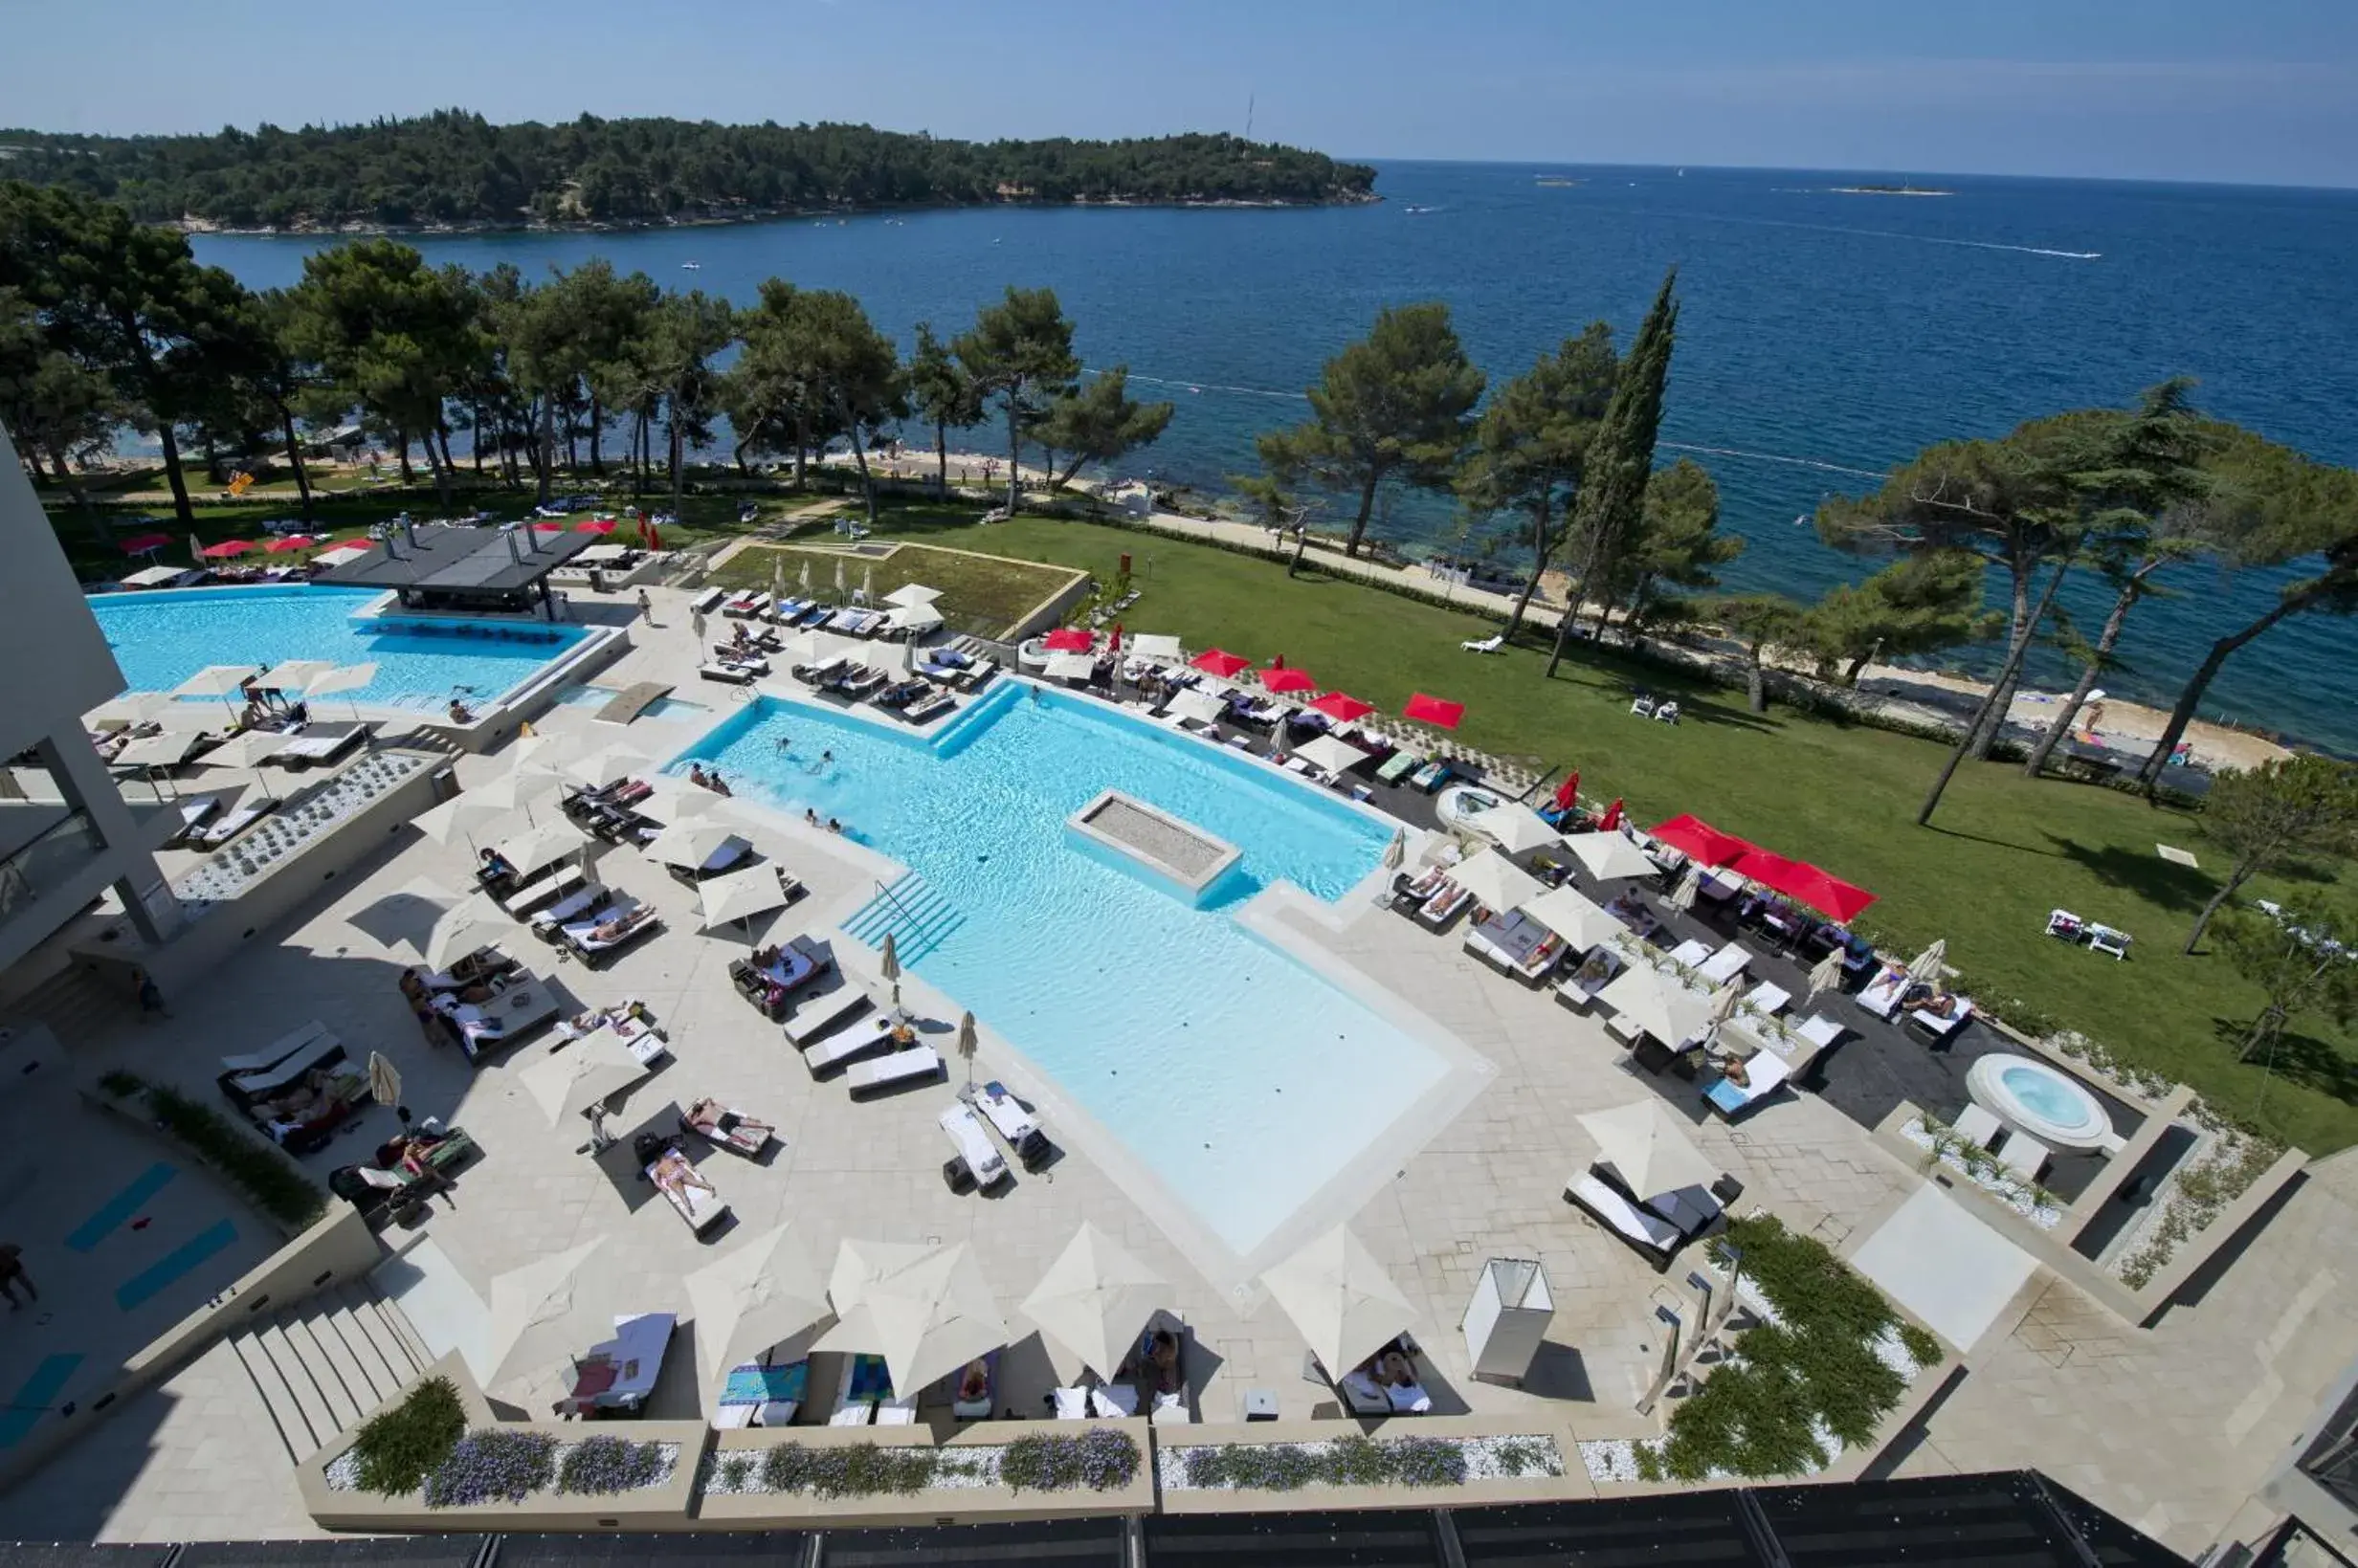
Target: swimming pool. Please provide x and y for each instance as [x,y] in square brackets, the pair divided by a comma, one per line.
[161,639]
[1244,1080]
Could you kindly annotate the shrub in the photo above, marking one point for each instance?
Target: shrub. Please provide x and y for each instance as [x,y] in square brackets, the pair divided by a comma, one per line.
[1099,1460]
[606,1465]
[275,1184]
[492,1465]
[399,1447]
[1351,1461]
[736,1471]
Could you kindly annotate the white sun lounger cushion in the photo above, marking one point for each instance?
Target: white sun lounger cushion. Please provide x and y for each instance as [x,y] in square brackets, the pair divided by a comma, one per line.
[821,1013]
[865,1036]
[277,1051]
[1725,964]
[915,1062]
[974,1146]
[1624,1216]
[1071,1403]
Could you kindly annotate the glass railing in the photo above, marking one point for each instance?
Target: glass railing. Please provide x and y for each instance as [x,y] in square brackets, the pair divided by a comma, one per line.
[63,849]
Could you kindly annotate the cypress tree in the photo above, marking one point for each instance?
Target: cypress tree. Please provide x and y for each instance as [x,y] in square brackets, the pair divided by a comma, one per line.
[1620,459]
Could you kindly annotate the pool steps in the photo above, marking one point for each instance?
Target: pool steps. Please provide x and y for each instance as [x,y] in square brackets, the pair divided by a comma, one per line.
[917,914]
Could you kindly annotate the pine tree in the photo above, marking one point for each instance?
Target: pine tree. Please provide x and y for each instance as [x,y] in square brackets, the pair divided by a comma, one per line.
[1620,460]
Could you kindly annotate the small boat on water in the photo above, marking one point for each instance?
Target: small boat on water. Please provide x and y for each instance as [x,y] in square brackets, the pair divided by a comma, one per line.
[691,266]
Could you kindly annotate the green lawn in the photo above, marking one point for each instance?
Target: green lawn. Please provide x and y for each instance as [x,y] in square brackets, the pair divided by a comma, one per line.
[2002,851]
[980,594]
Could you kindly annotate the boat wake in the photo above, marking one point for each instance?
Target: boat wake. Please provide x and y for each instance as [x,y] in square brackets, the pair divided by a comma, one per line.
[1892,234]
[1773,458]
[1204,386]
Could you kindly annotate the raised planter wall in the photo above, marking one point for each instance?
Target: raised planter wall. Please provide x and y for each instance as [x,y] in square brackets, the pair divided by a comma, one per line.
[1573,1484]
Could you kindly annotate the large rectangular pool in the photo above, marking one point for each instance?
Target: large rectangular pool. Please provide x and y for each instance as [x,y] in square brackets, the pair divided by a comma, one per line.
[1244,1080]
[161,639]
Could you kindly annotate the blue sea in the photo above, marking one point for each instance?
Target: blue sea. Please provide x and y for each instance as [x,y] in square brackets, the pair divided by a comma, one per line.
[1824,336]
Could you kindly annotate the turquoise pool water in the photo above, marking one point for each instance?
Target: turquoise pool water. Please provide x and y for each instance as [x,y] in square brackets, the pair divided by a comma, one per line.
[1244,1079]
[161,639]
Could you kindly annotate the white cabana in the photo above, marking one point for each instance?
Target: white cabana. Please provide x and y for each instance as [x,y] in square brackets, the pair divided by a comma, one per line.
[755,1296]
[1495,881]
[1341,1300]
[925,1309]
[1659,1002]
[1513,827]
[1572,915]
[1608,855]
[1648,1149]
[741,896]
[910,595]
[1153,644]
[1070,666]
[1096,1299]
[914,618]
[1329,755]
[1198,707]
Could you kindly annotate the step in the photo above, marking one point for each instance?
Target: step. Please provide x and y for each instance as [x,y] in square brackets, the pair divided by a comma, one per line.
[334,1371]
[300,1381]
[398,1330]
[375,1360]
[286,1417]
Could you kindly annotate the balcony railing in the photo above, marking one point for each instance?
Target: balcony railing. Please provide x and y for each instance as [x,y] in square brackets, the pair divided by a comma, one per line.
[48,861]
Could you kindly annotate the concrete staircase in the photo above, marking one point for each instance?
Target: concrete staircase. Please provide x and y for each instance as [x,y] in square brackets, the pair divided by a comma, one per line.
[78,1005]
[323,1365]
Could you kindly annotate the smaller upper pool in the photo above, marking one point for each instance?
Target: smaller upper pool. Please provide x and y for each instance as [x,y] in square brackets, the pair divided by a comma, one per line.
[161,639]
[2044,1102]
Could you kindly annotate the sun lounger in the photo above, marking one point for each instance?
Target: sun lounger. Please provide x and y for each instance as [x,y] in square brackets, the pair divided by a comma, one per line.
[1495,643]
[982,1156]
[1978,1126]
[901,1067]
[865,1380]
[1431,776]
[1653,1237]
[1013,1122]
[619,1373]
[1398,766]
[311,750]
[250,1089]
[761,1396]
[732,1130]
[1070,1404]
[1690,954]
[277,1052]
[523,1006]
[594,949]
[822,673]
[193,815]
[2024,1155]
[1596,971]
[1725,964]
[746,657]
[1882,996]
[1111,1401]
[727,674]
[708,601]
[755,605]
[1443,906]
[582,900]
[1819,1030]
[700,1210]
[863,680]
[550,884]
[1764,1074]
[980,674]
[1938,1029]
[872,1033]
[929,709]
[229,827]
[818,1014]
[1767,997]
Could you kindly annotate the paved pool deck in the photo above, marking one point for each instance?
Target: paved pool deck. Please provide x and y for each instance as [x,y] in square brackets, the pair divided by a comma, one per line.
[2237,1372]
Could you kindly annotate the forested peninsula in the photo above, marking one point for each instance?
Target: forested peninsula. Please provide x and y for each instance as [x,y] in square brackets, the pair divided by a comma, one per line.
[456,169]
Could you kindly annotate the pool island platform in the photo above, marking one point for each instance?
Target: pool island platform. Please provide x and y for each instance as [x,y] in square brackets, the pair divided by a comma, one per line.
[1168,851]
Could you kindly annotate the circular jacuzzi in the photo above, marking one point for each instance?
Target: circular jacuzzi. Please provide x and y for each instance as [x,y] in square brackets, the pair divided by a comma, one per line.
[1032,655]
[1458,805]
[2049,1105]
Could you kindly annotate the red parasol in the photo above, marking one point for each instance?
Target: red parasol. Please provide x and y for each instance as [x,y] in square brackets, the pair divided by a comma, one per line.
[548,528]
[1433,710]
[1213,662]
[1568,793]
[289,541]
[145,542]
[1114,644]
[1699,841]
[227,547]
[595,525]
[1279,679]
[1068,639]
[1611,819]
[1798,879]
[1342,707]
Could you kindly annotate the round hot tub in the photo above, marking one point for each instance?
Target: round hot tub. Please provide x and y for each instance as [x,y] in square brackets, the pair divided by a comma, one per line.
[1458,805]
[2049,1105]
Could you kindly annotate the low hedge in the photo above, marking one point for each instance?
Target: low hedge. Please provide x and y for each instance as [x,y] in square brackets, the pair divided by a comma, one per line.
[1097,1460]
[275,1184]
[400,1447]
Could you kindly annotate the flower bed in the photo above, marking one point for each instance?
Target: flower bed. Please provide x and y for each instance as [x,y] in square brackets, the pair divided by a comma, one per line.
[1357,1462]
[493,1464]
[2033,1202]
[1099,1460]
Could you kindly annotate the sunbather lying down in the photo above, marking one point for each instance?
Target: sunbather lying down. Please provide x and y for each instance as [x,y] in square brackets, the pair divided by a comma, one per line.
[622,925]
[672,1173]
[707,1115]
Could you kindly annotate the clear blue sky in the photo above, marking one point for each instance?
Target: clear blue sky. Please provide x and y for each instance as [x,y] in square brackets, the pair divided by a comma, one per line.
[2254,90]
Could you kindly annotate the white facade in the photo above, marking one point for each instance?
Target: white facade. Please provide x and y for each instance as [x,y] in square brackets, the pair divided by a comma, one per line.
[66,835]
